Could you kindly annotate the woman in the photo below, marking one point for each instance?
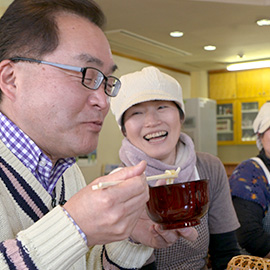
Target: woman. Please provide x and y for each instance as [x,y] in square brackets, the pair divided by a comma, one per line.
[251,191]
[150,112]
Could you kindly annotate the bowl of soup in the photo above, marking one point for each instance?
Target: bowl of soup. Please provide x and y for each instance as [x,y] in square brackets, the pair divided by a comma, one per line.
[178,205]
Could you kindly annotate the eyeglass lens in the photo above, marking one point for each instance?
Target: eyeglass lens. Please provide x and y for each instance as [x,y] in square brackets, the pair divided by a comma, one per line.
[93,79]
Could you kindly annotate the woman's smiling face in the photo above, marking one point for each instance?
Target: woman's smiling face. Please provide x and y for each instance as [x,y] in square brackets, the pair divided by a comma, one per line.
[154,127]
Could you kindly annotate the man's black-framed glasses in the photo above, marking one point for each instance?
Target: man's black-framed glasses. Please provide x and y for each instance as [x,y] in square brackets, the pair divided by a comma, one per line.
[92,78]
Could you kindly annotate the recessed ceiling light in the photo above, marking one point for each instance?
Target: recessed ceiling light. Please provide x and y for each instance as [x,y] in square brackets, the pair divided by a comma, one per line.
[209,48]
[263,22]
[176,34]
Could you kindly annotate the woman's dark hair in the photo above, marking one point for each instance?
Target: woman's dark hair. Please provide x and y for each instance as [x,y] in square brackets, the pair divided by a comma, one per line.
[28,28]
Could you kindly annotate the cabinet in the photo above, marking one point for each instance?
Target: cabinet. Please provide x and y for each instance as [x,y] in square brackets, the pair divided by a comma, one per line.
[248,110]
[222,85]
[239,96]
[235,120]
[240,84]
[253,83]
[226,119]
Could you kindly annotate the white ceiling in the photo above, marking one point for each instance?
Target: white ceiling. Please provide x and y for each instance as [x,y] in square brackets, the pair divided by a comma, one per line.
[230,25]
[140,29]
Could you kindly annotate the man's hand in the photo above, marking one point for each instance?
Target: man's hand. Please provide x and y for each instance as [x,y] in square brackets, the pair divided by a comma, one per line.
[110,214]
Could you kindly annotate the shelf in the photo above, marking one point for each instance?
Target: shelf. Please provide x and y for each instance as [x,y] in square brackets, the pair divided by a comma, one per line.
[248,140]
[249,111]
[224,115]
[224,132]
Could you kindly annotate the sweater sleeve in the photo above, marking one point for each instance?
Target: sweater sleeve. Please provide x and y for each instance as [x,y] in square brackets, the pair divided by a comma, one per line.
[46,245]
[251,235]
[119,255]
[53,242]
[222,248]
[249,182]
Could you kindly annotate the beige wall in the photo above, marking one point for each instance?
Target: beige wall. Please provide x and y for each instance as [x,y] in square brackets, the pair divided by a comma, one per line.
[193,85]
[236,153]
[199,84]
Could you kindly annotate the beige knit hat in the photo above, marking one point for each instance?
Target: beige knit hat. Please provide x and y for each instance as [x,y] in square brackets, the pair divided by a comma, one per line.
[145,85]
[262,122]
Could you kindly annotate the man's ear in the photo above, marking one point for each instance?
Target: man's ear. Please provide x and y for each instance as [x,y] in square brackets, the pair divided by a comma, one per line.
[7,79]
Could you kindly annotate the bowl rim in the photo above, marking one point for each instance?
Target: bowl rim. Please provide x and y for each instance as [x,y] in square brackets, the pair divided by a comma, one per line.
[181,183]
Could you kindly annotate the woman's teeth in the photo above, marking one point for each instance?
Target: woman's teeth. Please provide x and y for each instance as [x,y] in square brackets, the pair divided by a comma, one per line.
[156,135]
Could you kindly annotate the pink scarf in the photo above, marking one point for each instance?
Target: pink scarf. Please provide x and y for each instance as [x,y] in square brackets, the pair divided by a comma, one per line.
[185,159]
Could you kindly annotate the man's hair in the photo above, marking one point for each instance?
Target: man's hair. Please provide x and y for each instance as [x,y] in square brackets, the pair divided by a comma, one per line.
[28,28]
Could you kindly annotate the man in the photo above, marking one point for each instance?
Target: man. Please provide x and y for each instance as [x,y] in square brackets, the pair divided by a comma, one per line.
[52,110]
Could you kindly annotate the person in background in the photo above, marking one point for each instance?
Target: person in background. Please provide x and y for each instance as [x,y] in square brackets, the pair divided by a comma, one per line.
[250,189]
[150,113]
[56,79]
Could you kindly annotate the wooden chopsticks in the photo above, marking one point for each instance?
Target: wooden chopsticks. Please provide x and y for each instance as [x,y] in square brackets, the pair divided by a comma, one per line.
[169,175]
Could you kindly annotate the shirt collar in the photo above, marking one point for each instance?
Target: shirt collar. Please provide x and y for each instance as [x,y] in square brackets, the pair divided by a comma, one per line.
[31,155]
